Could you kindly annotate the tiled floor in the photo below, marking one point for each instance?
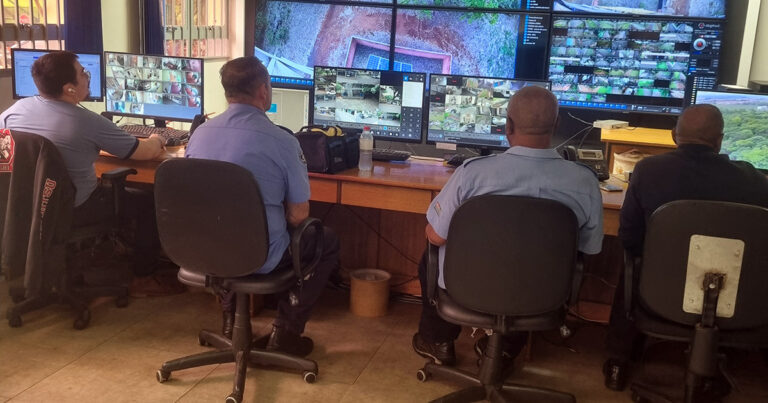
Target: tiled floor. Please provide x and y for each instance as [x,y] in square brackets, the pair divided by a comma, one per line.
[360,359]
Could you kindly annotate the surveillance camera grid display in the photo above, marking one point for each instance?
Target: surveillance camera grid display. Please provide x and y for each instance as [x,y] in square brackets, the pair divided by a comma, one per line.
[471,111]
[746,124]
[639,65]
[542,5]
[389,102]
[154,86]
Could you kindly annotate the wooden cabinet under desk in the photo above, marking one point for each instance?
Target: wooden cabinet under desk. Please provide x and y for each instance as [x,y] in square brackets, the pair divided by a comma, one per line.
[647,141]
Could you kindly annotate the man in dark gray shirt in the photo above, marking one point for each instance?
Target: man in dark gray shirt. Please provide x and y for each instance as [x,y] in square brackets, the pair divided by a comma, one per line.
[694,171]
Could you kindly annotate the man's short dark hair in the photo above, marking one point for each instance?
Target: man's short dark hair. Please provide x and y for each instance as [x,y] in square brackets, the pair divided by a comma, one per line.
[52,71]
[241,77]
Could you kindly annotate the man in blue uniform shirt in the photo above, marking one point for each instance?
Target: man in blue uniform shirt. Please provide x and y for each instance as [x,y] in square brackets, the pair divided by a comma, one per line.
[244,135]
[529,168]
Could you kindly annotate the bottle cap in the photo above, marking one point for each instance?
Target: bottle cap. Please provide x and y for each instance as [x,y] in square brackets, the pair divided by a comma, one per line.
[366,128]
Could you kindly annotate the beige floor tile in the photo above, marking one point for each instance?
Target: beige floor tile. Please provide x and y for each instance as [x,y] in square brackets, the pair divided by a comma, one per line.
[113,372]
[265,385]
[22,365]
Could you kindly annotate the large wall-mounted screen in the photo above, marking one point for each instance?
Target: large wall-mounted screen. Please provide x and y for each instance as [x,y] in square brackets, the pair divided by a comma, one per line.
[651,8]
[292,38]
[639,65]
[745,136]
[537,5]
[471,43]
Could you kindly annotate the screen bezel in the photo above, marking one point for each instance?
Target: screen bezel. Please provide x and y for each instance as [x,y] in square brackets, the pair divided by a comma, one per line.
[470,145]
[689,78]
[422,133]
[648,16]
[696,98]
[90,98]
[156,117]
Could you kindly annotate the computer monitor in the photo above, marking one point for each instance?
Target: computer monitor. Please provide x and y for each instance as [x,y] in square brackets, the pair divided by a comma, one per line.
[470,42]
[652,8]
[293,37]
[632,65]
[746,124]
[154,87]
[471,111]
[389,102]
[24,86]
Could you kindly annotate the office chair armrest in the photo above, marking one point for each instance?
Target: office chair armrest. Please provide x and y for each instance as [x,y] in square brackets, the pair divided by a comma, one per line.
[118,174]
[296,246]
[433,267]
[631,262]
[578,277]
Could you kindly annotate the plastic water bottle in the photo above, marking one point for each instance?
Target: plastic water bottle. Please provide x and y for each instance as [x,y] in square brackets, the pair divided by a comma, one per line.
[366,150]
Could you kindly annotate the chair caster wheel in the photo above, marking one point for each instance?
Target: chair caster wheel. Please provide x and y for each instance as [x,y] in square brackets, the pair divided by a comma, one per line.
[82,321]
[233,399]
[162,376]
[123,301]
[201,341]
[310,377]
[14,321]
[422,375]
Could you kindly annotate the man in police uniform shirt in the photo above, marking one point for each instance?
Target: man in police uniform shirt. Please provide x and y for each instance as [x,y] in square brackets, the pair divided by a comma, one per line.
[244,135]
[529,168]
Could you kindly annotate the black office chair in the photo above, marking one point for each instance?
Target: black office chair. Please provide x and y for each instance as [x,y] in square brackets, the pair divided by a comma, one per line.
[718,251]
[509,266]
[38,234]
[212,223]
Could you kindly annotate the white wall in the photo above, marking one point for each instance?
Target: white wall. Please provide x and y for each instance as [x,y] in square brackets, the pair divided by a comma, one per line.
[759,66]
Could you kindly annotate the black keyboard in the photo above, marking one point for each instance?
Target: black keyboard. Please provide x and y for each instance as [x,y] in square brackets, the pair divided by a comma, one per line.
[142,131]
[381,154]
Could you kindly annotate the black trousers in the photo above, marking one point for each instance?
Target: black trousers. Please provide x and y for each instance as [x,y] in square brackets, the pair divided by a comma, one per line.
[139,206]
[294,318]
[434,329]
[623,340]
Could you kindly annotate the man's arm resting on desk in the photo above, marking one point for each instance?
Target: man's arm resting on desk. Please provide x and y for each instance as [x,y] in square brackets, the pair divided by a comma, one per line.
[295,213]
[149,149]
[432,236]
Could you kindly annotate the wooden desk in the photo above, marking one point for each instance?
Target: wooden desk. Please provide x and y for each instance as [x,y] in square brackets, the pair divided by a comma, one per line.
[647,141]
[380,217]
[405,187]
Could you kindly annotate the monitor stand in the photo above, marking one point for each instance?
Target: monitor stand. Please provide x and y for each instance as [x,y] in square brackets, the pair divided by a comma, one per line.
[483,151]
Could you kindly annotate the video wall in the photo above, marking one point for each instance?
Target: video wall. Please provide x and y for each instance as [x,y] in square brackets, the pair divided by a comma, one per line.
[625,55]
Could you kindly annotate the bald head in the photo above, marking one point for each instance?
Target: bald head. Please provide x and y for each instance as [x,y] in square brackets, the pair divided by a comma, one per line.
[700,124]
[532,117]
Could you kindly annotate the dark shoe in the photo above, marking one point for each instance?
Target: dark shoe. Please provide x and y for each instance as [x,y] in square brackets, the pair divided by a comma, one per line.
[288,342]
[615,373]
[227,324]
[440,353]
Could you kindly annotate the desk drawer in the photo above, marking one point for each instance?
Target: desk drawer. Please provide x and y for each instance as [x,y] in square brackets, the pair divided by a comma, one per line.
[324,190]
[385,197]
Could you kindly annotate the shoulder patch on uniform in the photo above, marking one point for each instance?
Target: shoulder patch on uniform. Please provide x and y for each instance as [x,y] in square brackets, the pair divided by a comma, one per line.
[301,156]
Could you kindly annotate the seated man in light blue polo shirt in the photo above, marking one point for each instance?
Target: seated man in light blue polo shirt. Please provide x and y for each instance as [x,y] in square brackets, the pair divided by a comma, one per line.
[528,168]
[244,135]
[79,135]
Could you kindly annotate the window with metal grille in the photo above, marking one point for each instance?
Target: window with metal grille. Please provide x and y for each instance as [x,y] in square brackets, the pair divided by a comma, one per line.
[30,24]
[196,28]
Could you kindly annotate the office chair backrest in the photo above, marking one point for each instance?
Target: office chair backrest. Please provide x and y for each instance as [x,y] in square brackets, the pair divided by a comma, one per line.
[511,255]
[665,258]
[211,217]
